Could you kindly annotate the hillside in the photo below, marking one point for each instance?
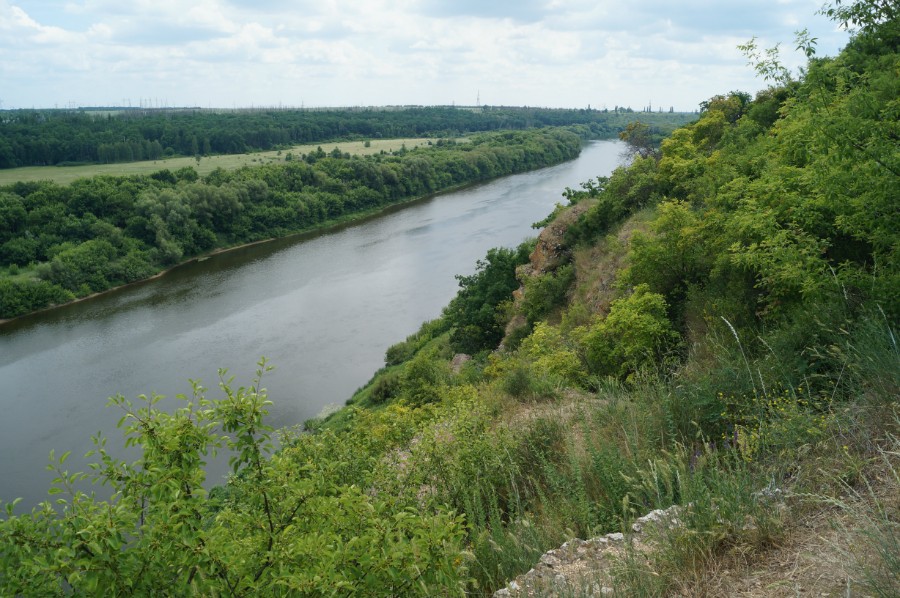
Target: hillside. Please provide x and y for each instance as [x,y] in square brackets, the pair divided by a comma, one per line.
[713,327]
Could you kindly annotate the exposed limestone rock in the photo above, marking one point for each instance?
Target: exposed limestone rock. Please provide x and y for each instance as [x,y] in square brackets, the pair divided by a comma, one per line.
[582,567]
[549,254]
[550,251]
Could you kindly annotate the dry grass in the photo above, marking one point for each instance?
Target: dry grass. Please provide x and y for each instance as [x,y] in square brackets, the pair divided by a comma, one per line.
[839,543]
[597,266]
[810,561]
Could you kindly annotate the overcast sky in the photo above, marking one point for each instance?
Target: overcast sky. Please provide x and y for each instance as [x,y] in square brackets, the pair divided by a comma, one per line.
[238,53]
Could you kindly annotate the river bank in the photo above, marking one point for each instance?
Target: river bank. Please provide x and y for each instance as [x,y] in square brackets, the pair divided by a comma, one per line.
[75,241]
[325,227]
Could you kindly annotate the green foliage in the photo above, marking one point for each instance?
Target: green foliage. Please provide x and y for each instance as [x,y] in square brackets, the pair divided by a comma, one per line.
[289,522]
[550,356]
[20,297]
[545,292]
[84,264]
[870,16]
[636,334]
[12,216]
[642,140]
[404,351]
[423,378]
[625,192]
[674,258]
[475,315]
[46,137]
[104,231]
[773,246]
[386,387]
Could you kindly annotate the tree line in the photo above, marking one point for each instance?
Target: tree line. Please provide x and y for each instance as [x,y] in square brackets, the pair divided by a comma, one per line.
[60,137]
[61,242]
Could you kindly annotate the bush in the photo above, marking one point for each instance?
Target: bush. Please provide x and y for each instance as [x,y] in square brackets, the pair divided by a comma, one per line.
[290,523]
[545,292]
[422,378]
[550,356]
[385,388]
[517,382]
[635,334]
[626,191]
[404,351]
[23,296]
[474,314]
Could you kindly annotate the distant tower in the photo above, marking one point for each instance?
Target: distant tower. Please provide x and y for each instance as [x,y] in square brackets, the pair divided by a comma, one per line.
[478,98]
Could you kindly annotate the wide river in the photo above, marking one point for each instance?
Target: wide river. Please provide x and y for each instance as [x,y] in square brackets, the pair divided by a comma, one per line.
[322,308]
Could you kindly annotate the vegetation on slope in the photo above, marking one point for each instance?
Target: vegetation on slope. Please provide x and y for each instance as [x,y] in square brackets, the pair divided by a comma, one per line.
[726,341]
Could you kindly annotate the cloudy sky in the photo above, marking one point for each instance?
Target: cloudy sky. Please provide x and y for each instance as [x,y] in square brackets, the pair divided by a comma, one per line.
[237,53]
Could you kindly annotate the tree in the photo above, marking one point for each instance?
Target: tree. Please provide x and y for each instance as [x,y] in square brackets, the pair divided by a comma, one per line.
[868,15]
[473,314]
[12,216]
[83,265]
[639,140]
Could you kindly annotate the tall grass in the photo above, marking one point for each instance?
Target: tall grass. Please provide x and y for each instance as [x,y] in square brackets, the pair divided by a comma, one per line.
[878,564]
[731,442]
[739,497]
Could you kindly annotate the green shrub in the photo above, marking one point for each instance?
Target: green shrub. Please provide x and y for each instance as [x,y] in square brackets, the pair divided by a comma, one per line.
[517,382]
[625,192]
[292,522]
[515,338]
[475,314]
[545,292]
[404,351]
[635,334]
[423,377]
[551,356]
[386,387]
[19,297]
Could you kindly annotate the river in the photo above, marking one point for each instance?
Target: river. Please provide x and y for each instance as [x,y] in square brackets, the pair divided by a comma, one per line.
[321,308]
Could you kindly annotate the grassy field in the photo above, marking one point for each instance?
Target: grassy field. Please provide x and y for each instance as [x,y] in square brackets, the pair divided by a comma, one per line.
[66,174]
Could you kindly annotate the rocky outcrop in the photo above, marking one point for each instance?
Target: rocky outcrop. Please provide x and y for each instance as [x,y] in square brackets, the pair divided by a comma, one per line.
[584,567]
[550,251]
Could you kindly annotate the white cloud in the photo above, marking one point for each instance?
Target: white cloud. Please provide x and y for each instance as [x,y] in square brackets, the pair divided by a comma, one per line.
[337,52]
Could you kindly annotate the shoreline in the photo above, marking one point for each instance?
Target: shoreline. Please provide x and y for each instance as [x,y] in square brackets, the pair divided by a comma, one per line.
[322,228]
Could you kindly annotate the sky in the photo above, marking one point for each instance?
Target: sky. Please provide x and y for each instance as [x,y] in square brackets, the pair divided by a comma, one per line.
[292,53]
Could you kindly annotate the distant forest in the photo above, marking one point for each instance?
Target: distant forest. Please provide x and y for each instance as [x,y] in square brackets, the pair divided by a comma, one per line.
[68,137]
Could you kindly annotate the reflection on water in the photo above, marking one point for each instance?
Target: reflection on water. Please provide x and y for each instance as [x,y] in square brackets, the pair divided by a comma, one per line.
[322,308]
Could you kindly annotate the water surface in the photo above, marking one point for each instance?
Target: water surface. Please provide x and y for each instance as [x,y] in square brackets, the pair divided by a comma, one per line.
[322,309]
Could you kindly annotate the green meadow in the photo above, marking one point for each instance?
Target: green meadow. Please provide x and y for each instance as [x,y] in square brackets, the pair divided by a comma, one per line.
[64,175]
